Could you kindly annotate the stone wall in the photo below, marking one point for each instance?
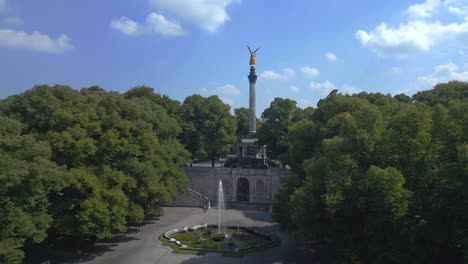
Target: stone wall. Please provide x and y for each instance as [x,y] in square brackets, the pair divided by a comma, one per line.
[262,184]
[189,199]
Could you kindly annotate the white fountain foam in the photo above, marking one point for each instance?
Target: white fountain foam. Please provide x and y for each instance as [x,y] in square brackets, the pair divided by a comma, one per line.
[220,204]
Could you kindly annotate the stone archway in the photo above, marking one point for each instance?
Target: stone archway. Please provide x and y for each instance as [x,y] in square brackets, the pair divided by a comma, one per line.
[243,190]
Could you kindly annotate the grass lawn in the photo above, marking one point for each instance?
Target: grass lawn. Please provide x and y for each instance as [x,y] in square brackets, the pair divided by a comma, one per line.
[242,238]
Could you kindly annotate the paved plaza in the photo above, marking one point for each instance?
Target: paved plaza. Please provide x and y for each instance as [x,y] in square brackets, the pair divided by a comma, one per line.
[143,245]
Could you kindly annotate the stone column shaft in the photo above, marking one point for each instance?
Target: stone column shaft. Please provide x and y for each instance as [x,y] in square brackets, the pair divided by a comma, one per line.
[252,119]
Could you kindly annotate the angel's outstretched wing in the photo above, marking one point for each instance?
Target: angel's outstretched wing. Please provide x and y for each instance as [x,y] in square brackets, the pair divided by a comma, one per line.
[249,49]
[256,50]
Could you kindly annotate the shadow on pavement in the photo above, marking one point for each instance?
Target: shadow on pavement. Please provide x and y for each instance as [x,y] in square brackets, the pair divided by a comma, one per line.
[258,216]
[73,250]
[66,250]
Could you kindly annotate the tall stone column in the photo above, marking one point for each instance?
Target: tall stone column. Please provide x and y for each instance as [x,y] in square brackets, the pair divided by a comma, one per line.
[252,119]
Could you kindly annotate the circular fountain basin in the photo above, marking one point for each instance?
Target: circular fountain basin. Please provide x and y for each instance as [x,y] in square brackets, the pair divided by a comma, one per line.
[206,238]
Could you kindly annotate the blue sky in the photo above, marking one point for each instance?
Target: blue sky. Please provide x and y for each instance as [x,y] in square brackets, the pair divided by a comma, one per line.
[183,47]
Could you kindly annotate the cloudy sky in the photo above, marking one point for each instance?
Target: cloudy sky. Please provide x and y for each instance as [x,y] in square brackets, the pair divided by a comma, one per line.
[308,48]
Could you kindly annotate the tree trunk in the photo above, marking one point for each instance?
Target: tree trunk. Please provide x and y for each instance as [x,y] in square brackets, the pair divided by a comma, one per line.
[212,160]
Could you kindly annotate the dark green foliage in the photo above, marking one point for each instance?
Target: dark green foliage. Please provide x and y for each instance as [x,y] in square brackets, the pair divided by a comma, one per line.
[402,98]
[275,124]
[242,117]
[208,127]
[171,106]
[443,93]
[380,179]
[27,176]
[84,163]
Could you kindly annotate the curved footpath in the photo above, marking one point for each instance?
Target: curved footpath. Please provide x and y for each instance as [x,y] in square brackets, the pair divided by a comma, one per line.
[145,247]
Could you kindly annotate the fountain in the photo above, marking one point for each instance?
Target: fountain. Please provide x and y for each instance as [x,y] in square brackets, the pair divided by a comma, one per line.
[228,239]
[220,204]
[220,236]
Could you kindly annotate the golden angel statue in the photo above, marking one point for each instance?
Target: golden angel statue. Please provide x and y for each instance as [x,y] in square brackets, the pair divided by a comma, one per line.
[252,55]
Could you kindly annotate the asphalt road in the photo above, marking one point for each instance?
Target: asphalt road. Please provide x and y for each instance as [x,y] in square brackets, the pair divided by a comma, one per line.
[145,247]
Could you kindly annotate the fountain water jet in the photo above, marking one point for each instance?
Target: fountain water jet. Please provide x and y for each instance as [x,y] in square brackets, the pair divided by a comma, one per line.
[220,204]
[230,239]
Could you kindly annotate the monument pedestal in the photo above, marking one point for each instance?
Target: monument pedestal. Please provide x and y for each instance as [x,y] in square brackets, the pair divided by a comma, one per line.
[251,155]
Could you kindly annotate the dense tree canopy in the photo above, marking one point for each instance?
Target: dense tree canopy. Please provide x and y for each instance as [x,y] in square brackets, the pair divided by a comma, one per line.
[84,163]
[27,176]
[443,93]
[276,120]
[242,118]
[209,129]
[380,179]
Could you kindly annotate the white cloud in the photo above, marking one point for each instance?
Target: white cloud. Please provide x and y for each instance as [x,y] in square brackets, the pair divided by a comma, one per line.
[34,41]
[323,88]
[424,10]
[395,70]
[158,23]
[418,33]
[126,26]
[461,52]
[209,15]
[326,87]
[461,11]
[294,89]
[411,37]
[228,89]
[287,74]
[155,23]
[349,89]
[12,20]
[303,103]
[270,75]
[401,91]
[442,73]
[331,57]
[227,93]
[227,100]
[310,71]
[457,7]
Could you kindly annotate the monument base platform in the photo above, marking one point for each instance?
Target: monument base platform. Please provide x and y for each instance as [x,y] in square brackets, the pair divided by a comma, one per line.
[249,155]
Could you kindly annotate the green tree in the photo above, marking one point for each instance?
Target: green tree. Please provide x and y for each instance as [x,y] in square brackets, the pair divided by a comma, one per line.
[442,93]
[242,118]
[380,179]
[118,158]
[27,177]
[276,120]
[171,106]
[209,128]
